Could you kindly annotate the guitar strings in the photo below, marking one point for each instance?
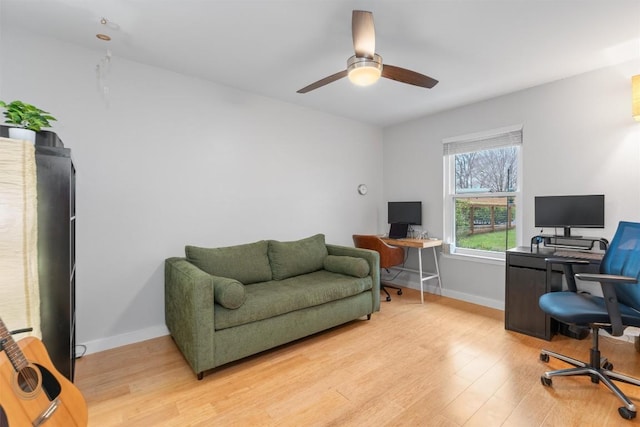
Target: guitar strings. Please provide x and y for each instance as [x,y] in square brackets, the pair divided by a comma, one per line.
[26,372]
[30,377]
[27,375]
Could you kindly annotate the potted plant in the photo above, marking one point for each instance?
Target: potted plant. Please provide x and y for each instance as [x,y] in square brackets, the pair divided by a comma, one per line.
[27,118]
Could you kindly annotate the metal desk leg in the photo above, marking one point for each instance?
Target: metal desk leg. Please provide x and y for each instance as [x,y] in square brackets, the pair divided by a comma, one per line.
[420,271]
[435,259]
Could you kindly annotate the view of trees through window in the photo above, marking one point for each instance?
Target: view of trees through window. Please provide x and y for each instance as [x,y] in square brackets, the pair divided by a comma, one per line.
[485,186]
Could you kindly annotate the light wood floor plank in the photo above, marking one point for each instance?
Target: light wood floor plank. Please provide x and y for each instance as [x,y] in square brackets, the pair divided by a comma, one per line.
[444,363]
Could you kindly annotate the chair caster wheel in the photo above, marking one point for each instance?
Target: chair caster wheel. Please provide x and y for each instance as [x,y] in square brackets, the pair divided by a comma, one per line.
[626,414]
[388,298]
[608,366]
[399,291]
[547,383]
[544,357]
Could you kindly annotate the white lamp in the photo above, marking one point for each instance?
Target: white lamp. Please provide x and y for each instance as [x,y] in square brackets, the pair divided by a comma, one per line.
[364,71]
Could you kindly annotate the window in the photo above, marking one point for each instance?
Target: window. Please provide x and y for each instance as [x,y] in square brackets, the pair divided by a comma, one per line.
[482,192]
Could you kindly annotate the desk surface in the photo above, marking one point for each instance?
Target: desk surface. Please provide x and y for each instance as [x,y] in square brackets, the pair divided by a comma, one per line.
[594,256]
[412,243]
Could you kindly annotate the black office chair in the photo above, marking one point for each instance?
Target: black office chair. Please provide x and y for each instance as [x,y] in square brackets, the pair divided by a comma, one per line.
[618,308]
[390,256]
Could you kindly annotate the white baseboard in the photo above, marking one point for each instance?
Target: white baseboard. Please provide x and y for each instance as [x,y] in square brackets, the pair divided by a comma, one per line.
[475,299]
[161,330]
[124,339]
[434,289]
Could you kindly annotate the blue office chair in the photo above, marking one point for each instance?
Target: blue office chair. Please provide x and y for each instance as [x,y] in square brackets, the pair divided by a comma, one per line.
[618,308]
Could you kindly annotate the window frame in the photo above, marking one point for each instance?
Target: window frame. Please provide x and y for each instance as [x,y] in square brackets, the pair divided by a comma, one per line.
[496,138]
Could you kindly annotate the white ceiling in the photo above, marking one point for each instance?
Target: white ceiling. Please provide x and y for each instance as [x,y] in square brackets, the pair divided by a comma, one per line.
[477,49]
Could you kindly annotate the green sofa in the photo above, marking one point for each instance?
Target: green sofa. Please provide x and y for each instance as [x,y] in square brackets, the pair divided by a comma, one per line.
[223,304]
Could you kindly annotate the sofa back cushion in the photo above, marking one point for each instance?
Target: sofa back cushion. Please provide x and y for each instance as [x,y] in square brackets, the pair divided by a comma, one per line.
[247,263]
[290,259]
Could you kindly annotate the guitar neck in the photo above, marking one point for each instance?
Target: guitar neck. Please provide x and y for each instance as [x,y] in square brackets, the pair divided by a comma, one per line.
[14,354]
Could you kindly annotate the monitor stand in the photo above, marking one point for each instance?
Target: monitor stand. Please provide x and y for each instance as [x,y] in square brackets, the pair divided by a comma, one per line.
[570,242]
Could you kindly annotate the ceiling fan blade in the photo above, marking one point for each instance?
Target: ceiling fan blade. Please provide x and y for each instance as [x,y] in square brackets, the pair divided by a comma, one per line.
[407,76]
[364,34]
[332,78]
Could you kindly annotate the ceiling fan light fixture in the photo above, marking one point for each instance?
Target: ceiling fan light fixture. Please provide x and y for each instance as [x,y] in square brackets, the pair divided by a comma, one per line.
[364,71]
[365,67]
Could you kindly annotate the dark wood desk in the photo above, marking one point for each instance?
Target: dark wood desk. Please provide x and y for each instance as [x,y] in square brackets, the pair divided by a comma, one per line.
[527,278]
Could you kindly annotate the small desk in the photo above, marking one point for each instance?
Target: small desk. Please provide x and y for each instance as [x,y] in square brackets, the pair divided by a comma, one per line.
[419,244]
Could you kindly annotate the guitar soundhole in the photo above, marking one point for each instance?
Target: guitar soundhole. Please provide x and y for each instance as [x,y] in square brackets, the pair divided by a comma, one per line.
[28,381]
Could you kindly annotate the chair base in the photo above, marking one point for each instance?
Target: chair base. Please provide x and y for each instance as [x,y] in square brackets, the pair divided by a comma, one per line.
[599,370]
[384,286]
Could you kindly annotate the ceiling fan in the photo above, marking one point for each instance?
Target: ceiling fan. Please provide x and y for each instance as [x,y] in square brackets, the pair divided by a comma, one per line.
[365,67]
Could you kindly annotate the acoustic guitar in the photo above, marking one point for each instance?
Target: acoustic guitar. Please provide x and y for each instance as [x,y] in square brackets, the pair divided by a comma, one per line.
[32,391]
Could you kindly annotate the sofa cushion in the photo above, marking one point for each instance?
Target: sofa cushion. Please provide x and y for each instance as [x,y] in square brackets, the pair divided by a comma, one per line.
[269,299]
[247,263]
[229,293]
[289,259]
[351,266]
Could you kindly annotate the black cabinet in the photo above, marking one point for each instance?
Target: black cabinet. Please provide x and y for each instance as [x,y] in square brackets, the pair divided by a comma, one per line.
[56,183]
[56,253]
[527,278]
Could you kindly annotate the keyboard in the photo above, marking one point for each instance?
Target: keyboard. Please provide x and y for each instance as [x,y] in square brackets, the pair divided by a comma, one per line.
[579,254]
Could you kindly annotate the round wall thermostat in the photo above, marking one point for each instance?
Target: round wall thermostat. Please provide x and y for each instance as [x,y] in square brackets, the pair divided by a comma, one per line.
[362,189]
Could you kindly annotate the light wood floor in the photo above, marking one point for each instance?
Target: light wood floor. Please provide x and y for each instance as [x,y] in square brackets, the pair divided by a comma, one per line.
[444,363]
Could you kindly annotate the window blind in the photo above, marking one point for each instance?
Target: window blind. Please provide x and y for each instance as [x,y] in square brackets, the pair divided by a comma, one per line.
[467,144]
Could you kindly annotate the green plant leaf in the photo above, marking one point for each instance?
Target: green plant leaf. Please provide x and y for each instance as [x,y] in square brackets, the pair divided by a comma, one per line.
[26,115]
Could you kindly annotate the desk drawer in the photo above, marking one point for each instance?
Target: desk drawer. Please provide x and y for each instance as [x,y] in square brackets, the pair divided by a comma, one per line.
[537,263]
[527,262]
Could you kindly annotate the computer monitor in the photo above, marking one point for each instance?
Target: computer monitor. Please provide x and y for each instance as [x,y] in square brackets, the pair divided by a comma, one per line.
[566,212]
[404,213]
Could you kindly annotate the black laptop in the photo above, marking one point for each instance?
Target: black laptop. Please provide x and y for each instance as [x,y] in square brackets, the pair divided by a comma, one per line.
[398,230]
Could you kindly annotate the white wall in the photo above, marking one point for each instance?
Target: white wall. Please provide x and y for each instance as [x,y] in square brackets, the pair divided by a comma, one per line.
[174,160]
[578,138]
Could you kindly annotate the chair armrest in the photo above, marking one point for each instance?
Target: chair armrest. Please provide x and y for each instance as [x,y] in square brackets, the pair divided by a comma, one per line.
[372,257]
[607,282]
[567,268]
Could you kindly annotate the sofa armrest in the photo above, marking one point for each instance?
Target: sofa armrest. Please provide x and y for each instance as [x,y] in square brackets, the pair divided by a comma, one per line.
[372,257]
[189,308]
